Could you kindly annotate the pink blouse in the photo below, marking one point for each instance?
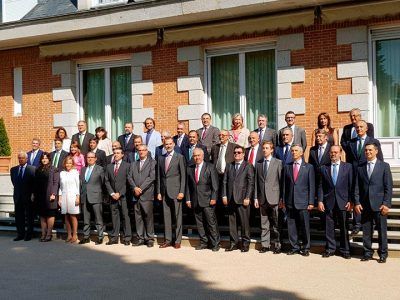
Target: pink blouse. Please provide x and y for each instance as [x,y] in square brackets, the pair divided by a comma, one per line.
[79,161]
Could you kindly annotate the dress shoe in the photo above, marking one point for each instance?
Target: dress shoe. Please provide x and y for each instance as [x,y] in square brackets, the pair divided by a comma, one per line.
[355,231]
[138,243]
[99,241]
[111,242]
[84,241]
[263,250]
[244,249]
[177,245]
[27,238]
[277,251]
[346,255]
[201,247]
[305,253]
[48,238]
[215,249]
[150,244]
[18,238]
[127,243]
[293,252]
[327,254]
[366,258]
[165,245]
[382,260]
[231,248]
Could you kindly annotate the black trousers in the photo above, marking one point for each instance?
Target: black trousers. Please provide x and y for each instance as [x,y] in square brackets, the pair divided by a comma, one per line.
[144,220]
[172,214]
[24,217]
[368,218]
[341,217]
[269,226]
[243,212]
[117,208]
[298,221]
[97,210]
[207,225]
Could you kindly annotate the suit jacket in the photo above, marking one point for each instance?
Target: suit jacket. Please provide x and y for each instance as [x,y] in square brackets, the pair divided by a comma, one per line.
[268,188]
[279,155]
[259,155]
[23,188]
[373,192]
[130,156]
[238,185]
[101,158]
[301,193]
[85,144]
[92,190]
[171,182]
[205,189]
[346,134]
[352,153]
[128,147]
[191,161]
[313,160]
[185,141]
[154,142]
[299,136]
[109,158]
[43,193]
[340,194]
[269,135]
[211,137]
[144,179]
[228,153]
[160,151]
[117,184]
[63,155]
[36,162]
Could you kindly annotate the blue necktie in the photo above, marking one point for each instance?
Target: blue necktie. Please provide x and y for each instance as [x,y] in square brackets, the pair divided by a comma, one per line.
[88,173]
[190,153]
[148,137]
[334,174]
[286,152]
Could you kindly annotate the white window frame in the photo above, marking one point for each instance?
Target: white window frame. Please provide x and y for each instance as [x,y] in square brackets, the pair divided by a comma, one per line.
[97,3]
[241,50]
[107,87]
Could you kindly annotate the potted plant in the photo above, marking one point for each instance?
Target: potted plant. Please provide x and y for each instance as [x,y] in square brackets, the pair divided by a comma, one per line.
[5,149]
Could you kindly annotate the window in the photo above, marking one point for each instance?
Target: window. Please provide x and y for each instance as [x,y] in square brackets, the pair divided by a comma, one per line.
[242,80]
[17,91]
[106,97]
[106,2]
[387,83]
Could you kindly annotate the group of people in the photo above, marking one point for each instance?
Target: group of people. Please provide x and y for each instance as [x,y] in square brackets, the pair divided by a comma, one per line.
[209,168]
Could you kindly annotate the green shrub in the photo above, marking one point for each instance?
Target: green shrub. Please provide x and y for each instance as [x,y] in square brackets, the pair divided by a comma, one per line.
[5,149]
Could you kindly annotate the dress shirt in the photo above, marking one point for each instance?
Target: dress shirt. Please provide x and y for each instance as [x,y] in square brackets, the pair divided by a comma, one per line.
[370,166]
[255,150]
[200,166]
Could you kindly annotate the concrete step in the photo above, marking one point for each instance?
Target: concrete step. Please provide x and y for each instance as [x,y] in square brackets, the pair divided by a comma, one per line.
[393,222]
[394,212]
[6,186]
[391,235]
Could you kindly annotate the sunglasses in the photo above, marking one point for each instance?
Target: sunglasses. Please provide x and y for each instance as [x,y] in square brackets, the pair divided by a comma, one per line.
[237,152]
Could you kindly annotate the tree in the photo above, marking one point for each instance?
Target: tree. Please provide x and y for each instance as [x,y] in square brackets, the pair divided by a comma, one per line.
[5,149]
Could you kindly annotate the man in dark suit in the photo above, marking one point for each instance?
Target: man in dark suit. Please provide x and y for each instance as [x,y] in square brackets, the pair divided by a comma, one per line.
[134,155]
[264,132]
[268,193]
[160,150]
[171,181]
[298,197]
[373,199]
[142,179]
[58,155]
[92,180]
[116,177]
[238,188]
[110,158]
[253,153]
[208,134]
[299,134]
[355,154]
[283,152]
[101,157]
[201,195]
[126,139]
[181,139]
[22,177]
[319,154]
[35,154]
[350,132]
[82,137]
[194,143]
[334,200]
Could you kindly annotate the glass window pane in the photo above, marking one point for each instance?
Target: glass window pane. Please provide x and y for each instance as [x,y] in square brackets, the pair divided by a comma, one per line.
[224,89]
[388,87]
[121,99]
[260,87]
[93,98]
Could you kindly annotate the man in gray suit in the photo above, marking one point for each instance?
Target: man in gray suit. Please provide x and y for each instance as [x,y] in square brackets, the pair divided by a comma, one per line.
[141,179]
[201,195]
[171,181]
[298,193]
[267,194]
[92,179]
[299,134]
[238,190]
[209,135]
[264,132]
[116,178]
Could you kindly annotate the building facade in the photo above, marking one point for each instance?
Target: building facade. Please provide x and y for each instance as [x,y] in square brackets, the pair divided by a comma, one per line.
[109,63]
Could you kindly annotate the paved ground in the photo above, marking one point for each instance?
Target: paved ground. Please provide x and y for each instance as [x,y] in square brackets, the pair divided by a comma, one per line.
[33,270]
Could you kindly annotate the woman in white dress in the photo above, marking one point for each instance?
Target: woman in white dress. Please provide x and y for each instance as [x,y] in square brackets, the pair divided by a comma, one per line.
[61,134]
[69,198]
[104,142]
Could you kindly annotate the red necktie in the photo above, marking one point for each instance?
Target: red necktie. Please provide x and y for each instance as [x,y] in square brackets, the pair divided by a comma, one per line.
[116,169]
[204,133]
[295,171]
[196,174]
[251,156]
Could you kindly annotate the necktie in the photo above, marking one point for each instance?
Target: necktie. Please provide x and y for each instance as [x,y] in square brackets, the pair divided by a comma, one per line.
[295,171]
[286,152]
[21,173]
[221,163]
[116,168]
[370,164]
[320,153]
[81,137]
[196,174]
[88,173]
[334,174]
[237,166]
[56,158]
[148,137]
[190,152]
[266,162]
[353,133]
[141,165]
[260,134]
[126,139]
[179,142]
[167,162]
[33,157]
[136,156]
[204,133]
[360,146]
[251,156]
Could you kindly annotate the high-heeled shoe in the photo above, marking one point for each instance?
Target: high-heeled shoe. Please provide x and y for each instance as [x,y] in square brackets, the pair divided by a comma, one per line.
[42,238]
[48,238]
[73,240]
[68,240]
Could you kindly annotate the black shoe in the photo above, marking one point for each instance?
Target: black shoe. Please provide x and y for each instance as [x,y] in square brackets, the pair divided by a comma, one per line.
[150,244]
[327,254]
[231,248]
[277,251]
[18,238]
[366,258]
[138,243]
[84,241]
[127,243]
[346,255]
[99,241]
[215,249]
[355,231]
[111,242]
[293,252]
[305,253]
[27,238]
[263,250]
[382,260]
[245,248]
[201,247]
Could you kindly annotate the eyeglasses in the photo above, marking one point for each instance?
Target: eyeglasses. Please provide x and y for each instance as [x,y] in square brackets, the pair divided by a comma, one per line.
[237,152]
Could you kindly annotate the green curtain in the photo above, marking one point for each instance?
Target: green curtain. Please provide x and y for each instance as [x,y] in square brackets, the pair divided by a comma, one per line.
[93,98]
[260,87]
[121,99]
[388,87]
[224,89]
